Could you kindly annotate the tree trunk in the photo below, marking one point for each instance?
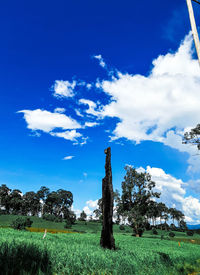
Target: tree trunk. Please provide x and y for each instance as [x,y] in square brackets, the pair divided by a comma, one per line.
[107,239]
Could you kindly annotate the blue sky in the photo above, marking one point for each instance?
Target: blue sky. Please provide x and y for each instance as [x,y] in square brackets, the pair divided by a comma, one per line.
[79,76]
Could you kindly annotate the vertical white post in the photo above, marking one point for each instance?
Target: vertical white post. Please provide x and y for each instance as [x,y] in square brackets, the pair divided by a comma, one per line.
[194,28]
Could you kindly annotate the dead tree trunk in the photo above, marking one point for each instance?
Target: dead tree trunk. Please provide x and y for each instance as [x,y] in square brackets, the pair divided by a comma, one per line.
[107,239]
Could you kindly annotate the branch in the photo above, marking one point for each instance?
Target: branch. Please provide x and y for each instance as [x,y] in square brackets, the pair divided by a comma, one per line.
[196,1]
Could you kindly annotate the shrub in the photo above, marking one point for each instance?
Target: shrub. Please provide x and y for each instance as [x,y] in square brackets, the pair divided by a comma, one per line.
[23,258]
[121,227]
[190,233]
[147,226]
[154,231]
[49,217]
[28,222]
[68,224]
[171,234]
[162,237]
[21,223]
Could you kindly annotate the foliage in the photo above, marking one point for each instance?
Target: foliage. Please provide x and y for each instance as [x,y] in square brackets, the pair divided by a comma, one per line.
[190,233]
[21,223]
[172,234]
[68,224]
[193,137]
[154,231]
[83,216]
[43,201]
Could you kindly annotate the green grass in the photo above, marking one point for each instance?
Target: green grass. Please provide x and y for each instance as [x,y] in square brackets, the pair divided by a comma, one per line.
[82,254]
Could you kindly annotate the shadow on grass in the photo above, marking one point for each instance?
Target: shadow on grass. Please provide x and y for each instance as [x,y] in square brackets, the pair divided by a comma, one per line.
[20,258]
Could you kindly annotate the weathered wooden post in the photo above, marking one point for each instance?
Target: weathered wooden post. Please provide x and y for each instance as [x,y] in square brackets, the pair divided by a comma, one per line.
[107,239]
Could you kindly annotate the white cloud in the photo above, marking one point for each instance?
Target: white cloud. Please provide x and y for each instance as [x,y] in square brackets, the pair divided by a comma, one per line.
[173,194]
[87,210]
[92,106]
[59,110]
[158,107]
[101,61]
[46,121]
[64,88]
[91,124]
[68,157]
[69,135]
[92,204]
[85,174]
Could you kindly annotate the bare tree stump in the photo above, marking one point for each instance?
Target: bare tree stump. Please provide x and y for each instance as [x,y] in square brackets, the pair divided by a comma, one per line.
[107,239]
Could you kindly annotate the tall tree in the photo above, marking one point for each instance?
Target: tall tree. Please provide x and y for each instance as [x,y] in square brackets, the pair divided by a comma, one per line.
[16,201]
[137,194]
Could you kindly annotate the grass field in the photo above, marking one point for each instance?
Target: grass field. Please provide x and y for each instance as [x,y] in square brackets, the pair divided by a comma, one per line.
[82,254]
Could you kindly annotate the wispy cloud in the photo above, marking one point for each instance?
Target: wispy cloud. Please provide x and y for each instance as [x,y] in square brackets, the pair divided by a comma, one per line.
[68,157]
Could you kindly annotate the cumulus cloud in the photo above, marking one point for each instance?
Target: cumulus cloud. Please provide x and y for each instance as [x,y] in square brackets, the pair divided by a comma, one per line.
[68,157]
[46,121]
[92,204]
[160,106]
[173,194]
[63,88]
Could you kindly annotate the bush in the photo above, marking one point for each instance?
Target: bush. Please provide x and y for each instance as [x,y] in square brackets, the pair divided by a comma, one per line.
[162,237]
[190,233]
[121,227]
[21,223]
[28,222]
[171,234]
[154,231]
[68,224]
[147,226]
[23,258]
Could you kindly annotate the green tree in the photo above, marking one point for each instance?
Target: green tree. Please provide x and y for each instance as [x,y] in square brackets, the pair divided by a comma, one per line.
[31,203]
[83,216]
[15,201]
[137,194]
[5,197]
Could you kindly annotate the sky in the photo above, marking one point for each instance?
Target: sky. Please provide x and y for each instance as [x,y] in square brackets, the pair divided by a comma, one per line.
[79,76]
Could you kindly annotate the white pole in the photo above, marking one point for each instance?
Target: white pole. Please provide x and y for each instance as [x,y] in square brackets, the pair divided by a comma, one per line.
[194,28]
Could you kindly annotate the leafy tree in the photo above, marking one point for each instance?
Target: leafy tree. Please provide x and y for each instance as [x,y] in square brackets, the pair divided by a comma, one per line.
[31,203]
[83,216]
[98,211]
[15,201]
[137,194]
[70,216]
[193,137]
[5,197]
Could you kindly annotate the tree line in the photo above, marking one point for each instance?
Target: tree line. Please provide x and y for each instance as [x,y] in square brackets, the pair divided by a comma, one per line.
[41,203]
[138,207]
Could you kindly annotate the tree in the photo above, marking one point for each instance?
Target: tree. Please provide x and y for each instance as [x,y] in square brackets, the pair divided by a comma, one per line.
[5,197]
[31,203]
[83,216]
[98,211]
[15,201]
[193,137]
[137,194]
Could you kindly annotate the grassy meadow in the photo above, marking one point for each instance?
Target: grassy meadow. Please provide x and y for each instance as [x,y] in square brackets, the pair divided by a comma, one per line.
[24,252]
